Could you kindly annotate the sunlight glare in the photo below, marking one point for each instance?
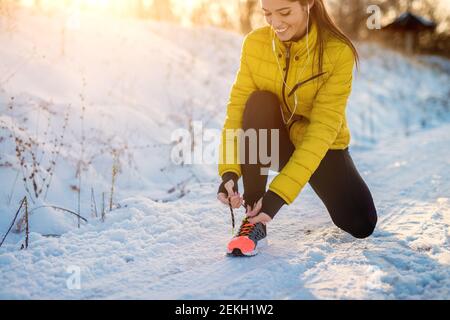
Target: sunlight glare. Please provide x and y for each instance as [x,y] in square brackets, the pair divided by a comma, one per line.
[102,5]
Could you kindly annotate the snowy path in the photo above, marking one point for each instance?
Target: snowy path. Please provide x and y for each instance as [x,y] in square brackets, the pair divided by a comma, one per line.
[176,250]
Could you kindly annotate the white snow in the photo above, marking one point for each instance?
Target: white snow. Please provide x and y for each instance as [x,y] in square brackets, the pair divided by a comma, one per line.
[140,81]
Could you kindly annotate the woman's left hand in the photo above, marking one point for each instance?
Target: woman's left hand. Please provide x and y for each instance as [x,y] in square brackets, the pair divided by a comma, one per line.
[261,217]
[255,215]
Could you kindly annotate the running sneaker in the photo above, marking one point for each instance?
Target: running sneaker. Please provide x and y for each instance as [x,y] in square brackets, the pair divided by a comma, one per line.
[248,240]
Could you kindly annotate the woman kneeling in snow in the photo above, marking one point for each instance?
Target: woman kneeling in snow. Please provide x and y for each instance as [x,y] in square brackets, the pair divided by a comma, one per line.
[293,84]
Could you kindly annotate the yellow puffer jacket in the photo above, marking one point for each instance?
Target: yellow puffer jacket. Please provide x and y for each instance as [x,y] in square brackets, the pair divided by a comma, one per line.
[321,102]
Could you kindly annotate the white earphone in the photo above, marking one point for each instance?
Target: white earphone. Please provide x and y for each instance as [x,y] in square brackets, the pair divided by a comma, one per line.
[274,49]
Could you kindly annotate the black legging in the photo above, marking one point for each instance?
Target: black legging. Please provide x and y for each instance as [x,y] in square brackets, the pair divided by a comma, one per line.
[336,181]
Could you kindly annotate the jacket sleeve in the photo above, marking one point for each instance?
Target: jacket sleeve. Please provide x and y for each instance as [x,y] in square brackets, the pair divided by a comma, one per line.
[242,88]
[327,116]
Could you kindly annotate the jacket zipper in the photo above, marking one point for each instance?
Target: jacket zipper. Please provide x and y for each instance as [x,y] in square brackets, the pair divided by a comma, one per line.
[288,62]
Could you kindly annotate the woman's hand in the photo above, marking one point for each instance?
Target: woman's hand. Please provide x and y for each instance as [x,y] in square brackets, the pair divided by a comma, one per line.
[255,215]
[233,197]
[261,217]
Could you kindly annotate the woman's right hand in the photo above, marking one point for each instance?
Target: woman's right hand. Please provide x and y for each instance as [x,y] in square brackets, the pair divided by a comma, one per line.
[232,196]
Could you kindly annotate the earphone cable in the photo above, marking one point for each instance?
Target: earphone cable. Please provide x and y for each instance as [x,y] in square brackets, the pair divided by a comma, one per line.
[297,76]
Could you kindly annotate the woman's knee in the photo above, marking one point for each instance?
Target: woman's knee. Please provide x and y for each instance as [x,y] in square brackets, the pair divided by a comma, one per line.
[361,227]
[261,109]
[364,230]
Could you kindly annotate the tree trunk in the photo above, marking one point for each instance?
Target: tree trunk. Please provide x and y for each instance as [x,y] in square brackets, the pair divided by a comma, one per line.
[247,9]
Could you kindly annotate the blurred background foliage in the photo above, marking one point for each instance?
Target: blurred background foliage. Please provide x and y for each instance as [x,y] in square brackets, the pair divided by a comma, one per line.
[244,15]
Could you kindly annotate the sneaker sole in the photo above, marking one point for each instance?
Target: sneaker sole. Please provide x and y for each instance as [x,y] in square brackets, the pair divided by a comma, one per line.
[238,253]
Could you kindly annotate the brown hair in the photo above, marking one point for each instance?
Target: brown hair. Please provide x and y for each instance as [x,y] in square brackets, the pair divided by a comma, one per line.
[326,24]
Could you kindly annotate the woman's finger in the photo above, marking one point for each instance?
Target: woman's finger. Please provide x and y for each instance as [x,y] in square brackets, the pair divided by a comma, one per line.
[236,201]
[258,206]
[229,187]
[223,198]
[253,212]
[233,201]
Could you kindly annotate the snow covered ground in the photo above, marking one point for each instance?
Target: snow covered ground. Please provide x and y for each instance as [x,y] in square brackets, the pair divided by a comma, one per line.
[176,250]
[140,81]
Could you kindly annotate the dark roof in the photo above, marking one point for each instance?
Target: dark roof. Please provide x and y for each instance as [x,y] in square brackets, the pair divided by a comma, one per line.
[408,21]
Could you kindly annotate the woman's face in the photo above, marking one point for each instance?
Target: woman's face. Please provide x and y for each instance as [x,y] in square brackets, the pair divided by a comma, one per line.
[287,18]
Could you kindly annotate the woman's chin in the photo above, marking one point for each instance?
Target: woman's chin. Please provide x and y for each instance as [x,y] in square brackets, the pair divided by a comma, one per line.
[285,39]
[285,36]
